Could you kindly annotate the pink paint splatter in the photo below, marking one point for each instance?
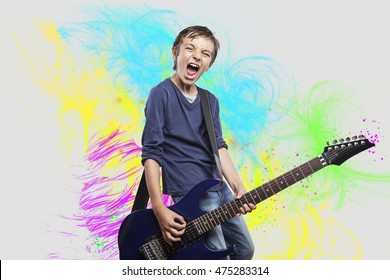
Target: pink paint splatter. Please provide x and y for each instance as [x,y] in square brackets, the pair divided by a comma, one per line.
[111,177]
[373,134]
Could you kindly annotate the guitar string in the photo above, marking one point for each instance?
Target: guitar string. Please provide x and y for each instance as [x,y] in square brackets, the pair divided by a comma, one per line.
[229,207]
[261,191]
[308,166]
[305,169]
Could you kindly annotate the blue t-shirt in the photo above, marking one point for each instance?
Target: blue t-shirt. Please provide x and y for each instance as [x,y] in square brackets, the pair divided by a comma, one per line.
[175,135]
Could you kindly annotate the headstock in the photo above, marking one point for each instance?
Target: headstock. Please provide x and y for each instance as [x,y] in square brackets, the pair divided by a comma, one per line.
[343,149]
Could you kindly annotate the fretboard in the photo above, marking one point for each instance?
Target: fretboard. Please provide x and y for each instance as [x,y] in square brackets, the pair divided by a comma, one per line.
[227,211]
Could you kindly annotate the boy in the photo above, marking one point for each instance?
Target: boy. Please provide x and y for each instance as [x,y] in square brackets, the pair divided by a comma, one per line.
[175,138]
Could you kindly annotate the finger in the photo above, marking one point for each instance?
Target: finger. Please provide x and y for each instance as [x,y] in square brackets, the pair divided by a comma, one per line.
[176,234]
[181,219]
[166,238]
[180,231]
[245,209]
[176,226]
[179,222]
[172,237]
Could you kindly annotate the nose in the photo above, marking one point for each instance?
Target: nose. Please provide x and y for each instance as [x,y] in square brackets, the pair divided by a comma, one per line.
[196,56]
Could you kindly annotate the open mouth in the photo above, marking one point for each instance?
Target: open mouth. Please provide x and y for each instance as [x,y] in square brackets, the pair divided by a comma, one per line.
[192,69]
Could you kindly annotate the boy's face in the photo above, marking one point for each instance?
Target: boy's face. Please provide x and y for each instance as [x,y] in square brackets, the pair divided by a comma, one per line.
[193,58]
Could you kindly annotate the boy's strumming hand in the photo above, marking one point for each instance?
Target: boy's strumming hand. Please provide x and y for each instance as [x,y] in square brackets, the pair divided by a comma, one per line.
[172,224]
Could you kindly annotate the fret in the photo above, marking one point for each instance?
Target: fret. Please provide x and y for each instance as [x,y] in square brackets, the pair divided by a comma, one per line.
[250,194]
[302,174]
[202,227]
[298,174]
[262,194]
[306,171]
[256,197]
[230,210]
[237,208]
[276,181]
[269,190]
[206,223]
[276,187]
[292,172]
[224,212]
[287,179]
[215,220]
[285,183]
[210,221]
[244,197]
[218,215]
[195,223]
[308,163]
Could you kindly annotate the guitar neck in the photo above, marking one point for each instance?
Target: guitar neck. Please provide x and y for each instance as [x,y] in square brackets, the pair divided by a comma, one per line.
[227,211]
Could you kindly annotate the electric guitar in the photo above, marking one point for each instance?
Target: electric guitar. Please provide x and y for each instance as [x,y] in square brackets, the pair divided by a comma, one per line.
[140,236]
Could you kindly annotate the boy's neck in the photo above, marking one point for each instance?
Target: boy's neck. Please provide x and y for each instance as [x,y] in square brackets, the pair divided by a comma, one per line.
[186,89]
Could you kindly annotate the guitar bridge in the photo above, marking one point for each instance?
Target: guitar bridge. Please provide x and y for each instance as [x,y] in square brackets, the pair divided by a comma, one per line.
[157,249]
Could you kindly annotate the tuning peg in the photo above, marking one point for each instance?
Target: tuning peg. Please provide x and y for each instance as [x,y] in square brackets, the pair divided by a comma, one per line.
[361,136]
[348,139]
[327,143]
[341,140]
[354,137]
[334,142]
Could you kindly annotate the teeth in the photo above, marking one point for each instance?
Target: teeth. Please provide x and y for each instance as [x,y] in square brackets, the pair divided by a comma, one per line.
[194,65]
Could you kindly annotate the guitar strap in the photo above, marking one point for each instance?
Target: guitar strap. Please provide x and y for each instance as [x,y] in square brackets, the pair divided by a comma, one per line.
[206,108]
[142,197]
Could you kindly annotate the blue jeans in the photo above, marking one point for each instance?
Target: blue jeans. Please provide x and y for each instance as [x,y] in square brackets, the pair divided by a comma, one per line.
[232,232]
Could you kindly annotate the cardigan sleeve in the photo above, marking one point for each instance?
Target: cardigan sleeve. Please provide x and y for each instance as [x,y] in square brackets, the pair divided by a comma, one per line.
[217,125]
[152,136]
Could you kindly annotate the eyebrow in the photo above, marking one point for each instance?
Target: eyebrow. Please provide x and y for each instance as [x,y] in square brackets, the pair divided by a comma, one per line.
[192,45]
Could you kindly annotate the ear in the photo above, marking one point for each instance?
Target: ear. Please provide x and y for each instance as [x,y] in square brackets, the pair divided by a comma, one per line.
[174,53]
